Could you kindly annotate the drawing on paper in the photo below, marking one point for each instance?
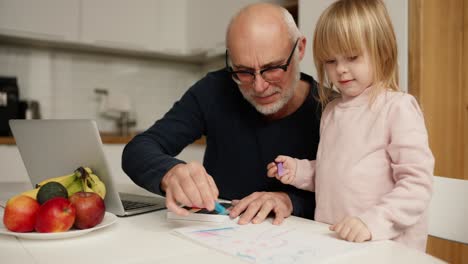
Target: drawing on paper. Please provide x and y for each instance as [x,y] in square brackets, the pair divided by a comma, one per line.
[267,243]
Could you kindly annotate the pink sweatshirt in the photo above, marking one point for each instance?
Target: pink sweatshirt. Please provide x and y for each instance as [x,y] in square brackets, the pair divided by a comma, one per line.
[373,163]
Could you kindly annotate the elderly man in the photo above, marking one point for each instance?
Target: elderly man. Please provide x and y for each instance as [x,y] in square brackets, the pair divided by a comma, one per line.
[259,106]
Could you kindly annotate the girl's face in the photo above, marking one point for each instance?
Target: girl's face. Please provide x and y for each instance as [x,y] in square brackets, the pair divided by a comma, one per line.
[350,74]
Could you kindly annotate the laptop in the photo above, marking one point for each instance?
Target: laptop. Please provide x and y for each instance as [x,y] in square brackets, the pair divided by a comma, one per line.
[51,148]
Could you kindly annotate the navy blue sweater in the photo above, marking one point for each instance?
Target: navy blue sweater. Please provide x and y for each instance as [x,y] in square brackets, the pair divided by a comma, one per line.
[240,142]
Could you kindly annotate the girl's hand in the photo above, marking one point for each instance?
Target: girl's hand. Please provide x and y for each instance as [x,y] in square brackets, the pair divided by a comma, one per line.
[352,229]
[289,169]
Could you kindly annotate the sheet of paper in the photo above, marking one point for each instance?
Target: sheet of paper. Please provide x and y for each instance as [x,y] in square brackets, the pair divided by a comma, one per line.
[267,243]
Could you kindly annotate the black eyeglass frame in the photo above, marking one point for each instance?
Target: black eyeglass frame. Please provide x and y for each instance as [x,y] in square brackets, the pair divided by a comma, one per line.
[284,67]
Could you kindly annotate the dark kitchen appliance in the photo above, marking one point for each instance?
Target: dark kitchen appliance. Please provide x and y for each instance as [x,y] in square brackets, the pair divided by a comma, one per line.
[10,105]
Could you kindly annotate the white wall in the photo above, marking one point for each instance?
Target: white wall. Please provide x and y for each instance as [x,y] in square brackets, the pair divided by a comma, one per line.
[64,82]
[310,11]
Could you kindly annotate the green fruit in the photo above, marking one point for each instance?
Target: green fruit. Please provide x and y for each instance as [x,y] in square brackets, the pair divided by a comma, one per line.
[50,190]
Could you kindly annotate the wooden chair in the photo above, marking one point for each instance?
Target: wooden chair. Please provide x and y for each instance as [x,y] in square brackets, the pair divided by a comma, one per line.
[448,209]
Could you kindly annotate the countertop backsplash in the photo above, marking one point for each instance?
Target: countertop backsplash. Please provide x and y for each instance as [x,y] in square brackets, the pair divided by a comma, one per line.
[64,82]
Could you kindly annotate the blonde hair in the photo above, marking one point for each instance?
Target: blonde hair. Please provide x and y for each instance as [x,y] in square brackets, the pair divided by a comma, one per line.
[348,27]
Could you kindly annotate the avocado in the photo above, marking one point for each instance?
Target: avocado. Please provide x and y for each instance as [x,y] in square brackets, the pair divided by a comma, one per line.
[50,190]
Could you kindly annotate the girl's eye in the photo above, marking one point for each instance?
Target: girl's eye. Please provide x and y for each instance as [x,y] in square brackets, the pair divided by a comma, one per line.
[352,58]
[330,61]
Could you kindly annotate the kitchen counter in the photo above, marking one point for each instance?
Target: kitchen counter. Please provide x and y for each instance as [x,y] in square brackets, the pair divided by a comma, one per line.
[107,138]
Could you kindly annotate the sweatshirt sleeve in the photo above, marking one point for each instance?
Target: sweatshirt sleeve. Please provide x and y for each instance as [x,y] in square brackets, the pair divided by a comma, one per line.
[149,155]
[305,175]
[412,166]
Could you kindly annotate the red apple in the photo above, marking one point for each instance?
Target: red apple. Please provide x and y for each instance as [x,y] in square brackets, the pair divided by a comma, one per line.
[55,215]
[20,213]
[90,209]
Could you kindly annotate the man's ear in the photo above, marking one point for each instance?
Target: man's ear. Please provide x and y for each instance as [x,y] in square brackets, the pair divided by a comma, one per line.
[302,47]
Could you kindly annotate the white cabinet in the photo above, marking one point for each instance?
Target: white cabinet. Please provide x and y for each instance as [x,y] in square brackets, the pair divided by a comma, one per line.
[46,19]
[173,21]
[131,25]
[180,29]
[208,21]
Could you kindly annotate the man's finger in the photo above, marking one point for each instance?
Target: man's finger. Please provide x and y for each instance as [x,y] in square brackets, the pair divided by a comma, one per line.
[249,213]
[190,189]
[178,195]
[280,215]
[205,191]
[214,188]
[172,205]
[241,205]
[263,212]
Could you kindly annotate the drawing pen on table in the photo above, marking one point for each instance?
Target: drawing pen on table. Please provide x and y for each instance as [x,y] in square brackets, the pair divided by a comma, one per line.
[221,209]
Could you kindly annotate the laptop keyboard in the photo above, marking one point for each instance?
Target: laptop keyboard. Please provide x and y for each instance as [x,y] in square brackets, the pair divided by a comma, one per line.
[129,205]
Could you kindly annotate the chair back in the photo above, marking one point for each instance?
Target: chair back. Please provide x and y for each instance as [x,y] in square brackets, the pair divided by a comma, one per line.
[448,209]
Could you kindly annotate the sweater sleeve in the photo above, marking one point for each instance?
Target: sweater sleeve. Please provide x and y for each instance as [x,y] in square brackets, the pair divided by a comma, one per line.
[303,202]
[412,166]
[149,155]
[305,175]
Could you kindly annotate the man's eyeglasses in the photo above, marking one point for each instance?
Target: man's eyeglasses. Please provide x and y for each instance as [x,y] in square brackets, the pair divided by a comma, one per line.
[271,74]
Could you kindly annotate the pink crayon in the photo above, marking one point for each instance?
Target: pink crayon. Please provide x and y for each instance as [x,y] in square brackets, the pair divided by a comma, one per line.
[279,165]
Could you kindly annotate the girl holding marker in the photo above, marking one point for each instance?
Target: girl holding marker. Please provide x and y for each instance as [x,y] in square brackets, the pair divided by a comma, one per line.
[373,173]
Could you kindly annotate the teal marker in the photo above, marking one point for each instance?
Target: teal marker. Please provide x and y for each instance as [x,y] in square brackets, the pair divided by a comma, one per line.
[220,209]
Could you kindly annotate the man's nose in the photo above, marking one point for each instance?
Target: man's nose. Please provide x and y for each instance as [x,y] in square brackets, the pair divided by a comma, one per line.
[260,85]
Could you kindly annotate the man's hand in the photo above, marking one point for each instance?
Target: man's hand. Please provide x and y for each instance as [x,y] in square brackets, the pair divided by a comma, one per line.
[256,207]
[352,229]
[189,184]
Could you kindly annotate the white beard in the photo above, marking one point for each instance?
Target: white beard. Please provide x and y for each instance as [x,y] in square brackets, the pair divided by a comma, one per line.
[272,108]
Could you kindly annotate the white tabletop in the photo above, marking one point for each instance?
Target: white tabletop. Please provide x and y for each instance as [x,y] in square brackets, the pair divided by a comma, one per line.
[149,238]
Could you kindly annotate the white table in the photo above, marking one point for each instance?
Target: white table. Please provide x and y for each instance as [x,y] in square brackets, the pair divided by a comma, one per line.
[148,238]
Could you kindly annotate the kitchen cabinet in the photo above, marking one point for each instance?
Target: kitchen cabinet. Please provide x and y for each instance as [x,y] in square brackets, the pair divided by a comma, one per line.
[122,24]
[179,30]
[153,28]
[173,21]
[56,20]
[208,23]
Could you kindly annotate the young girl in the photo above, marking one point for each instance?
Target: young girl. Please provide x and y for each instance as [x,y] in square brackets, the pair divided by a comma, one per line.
[373,173]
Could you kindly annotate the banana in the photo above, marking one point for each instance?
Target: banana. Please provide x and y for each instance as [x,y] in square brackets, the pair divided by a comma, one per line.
[97,185]
[90,182]
[88,170]
[72,182]
[65,180]
[85,186]
[74,187]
